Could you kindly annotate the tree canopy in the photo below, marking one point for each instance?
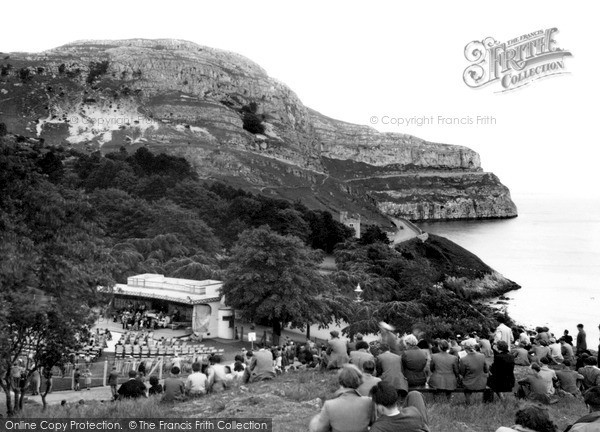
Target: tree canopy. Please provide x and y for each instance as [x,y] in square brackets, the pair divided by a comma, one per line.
[274,278]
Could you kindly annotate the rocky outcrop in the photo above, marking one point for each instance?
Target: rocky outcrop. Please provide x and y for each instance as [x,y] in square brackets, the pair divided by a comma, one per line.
[346,141]
[194,101]
[470,195]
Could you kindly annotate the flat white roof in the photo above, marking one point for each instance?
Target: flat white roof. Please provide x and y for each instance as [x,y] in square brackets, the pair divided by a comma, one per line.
[161,294]
[207,288]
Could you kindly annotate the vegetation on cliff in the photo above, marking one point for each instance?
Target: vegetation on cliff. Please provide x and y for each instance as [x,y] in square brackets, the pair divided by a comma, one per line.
[209,106]
[72,221]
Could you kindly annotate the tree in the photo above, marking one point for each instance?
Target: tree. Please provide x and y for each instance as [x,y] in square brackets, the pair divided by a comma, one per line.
[274,278]
[373,234]
[51,248]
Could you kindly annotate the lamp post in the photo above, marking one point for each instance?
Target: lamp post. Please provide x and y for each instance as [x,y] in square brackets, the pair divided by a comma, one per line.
[358,292]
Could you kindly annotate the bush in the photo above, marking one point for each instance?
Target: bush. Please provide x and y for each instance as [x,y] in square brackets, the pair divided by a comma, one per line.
[253,123]
[97,69]
[4,69]
[3,130]
[24,74]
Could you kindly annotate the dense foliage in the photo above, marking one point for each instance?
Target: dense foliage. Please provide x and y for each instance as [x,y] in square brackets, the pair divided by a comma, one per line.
[70,222]
[415,285]
[274,278]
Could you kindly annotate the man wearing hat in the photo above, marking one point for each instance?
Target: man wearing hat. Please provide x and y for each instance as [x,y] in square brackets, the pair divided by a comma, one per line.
[337,356]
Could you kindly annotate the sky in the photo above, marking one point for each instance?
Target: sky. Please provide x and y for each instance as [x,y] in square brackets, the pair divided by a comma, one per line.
[373,62]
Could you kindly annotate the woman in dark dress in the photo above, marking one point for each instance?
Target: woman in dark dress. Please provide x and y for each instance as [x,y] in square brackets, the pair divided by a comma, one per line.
[502,377]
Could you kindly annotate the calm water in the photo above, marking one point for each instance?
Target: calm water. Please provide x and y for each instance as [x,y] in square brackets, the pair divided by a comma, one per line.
[552,250]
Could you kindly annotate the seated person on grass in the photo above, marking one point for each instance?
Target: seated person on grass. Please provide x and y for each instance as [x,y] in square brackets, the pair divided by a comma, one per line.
[530,419]
[174,388]
[197,382]
[133,388]
[591,421]
[567,380]
[411,418]
[155,387]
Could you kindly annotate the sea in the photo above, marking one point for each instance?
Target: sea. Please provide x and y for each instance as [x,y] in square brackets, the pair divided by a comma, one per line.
[552,249]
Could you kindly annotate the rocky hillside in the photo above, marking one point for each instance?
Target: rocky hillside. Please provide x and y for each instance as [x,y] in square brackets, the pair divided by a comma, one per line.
[235,123]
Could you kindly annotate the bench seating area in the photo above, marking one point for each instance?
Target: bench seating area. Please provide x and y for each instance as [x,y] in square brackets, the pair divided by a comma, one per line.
[135,351]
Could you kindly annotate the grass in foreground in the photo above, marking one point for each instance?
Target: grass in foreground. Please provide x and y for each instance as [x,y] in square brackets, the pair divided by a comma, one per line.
[292,399]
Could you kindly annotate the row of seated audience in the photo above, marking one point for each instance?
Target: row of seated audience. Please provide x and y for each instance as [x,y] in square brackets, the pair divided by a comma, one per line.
[388,376]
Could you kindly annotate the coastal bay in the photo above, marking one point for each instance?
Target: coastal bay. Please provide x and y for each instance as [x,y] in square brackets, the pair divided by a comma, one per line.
[552,250]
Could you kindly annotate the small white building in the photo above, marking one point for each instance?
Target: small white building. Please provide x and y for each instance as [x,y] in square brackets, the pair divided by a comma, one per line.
[198,303]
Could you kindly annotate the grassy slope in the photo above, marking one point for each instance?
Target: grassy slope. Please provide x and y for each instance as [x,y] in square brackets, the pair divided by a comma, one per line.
[291,400]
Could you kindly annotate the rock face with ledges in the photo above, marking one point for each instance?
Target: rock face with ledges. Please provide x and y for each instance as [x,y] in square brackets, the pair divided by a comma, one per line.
[186,99]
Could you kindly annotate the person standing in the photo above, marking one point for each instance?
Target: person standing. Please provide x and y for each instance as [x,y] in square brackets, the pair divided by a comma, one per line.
[503,333]
[88,378]
[76,378]
[581,344]
[389,369]
[113,381]
[35,382]
[337,351]
[388,337]
[502,378]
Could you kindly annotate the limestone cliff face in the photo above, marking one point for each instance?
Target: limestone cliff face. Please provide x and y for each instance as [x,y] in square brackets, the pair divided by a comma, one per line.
[190,100]
[475,195]
[346,141]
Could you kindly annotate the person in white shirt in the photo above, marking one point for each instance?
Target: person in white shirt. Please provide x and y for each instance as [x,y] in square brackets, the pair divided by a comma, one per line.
[195,384]
[503,333]
[555,351]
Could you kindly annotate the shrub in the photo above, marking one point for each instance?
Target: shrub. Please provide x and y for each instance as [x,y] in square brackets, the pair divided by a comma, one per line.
[252,107]
[24,74]
[97,69]
[4,70]
[3,130]
[253,123]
